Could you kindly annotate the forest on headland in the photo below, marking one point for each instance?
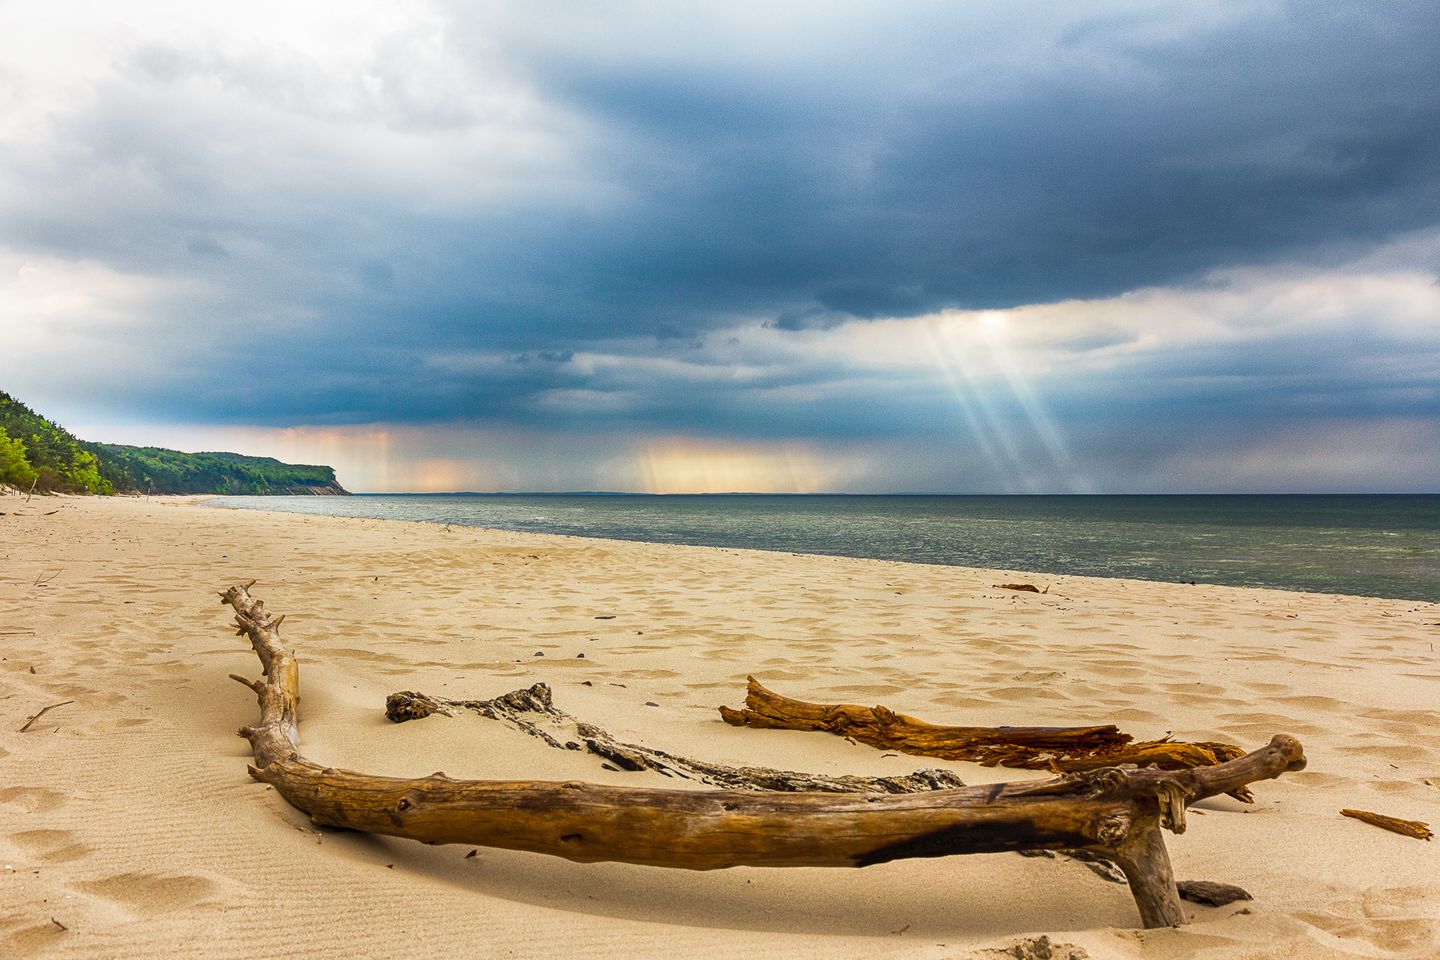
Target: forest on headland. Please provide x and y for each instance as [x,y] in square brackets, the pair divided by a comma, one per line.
[39,454]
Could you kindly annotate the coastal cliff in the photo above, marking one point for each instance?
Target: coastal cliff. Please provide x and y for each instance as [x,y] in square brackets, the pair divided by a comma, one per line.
[157,470]
[37,453]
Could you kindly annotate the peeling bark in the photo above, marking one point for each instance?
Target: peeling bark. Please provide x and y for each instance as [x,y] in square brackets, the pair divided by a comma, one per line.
[523,708]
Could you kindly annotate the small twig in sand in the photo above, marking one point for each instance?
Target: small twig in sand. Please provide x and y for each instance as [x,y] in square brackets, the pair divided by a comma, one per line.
[318,836]
[58,924]
[17,633]
[43,711]
[41,579]
[1418,829]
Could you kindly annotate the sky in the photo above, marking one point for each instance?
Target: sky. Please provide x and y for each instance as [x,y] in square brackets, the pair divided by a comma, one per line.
[1112,247]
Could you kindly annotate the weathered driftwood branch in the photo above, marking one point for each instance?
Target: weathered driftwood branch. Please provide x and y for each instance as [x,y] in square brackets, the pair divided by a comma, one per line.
[523,708]
[882,727]
[518,707]
[1418,829]
[1061,749]
[1116,812]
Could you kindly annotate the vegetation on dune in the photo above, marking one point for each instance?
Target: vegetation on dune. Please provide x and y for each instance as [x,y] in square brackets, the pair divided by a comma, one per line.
[36,452]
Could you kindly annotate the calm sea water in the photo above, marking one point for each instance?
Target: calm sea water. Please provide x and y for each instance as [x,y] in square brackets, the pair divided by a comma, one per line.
[1382,546]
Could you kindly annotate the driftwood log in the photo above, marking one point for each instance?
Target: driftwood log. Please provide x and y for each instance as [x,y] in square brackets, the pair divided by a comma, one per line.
[1059,749]
[527,709]
[1118,813]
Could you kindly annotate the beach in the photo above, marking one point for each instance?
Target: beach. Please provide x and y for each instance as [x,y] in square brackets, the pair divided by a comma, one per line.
[129,827]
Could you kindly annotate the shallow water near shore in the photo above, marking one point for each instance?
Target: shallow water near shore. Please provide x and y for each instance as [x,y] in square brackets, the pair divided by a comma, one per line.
[1380,545]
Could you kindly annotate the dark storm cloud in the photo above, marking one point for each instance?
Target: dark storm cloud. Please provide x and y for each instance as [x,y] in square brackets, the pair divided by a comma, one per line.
[525,188]
[889,181]
[887,176]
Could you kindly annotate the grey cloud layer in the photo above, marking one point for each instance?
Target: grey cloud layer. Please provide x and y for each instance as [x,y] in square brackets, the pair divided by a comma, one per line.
[528,186]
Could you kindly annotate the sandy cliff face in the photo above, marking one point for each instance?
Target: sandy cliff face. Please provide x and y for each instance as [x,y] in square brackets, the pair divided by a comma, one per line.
[331,489]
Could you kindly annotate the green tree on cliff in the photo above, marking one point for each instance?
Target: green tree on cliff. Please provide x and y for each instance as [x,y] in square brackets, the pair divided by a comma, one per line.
[15,470]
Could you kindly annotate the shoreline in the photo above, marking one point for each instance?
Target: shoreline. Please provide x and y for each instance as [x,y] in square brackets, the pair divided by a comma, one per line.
[128,817]
[209,501]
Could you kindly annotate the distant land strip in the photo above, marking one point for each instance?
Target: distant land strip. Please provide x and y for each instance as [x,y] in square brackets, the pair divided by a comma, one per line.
[38,454]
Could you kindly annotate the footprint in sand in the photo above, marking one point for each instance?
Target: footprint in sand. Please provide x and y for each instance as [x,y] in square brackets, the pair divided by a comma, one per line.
[32,938]
[1405,930]
[1326,704]
[960,702]
[52,846]
[31,799]
[150,893]
[1267,687]
[716,685]
[1397,753]
[1012,693]
[1424,719]
[1195,687]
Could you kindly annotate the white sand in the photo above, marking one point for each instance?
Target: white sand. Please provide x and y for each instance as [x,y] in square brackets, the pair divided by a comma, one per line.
[127,816]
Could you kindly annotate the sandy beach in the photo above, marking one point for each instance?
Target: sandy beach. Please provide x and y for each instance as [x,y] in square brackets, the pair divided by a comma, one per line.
[128,825]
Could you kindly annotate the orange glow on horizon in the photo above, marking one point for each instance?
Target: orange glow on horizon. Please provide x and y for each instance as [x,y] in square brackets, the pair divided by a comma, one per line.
[682,465]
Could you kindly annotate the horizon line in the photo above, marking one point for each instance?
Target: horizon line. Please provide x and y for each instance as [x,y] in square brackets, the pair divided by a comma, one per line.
[903,493]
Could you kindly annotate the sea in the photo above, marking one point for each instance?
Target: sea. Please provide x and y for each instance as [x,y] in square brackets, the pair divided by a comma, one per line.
[1368,545]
